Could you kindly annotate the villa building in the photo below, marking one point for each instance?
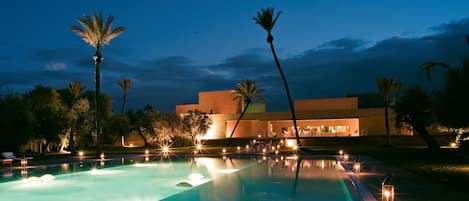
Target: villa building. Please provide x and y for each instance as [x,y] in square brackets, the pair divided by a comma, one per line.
[355,115]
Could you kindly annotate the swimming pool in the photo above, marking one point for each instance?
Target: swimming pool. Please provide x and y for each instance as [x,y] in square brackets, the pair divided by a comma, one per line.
[195,179]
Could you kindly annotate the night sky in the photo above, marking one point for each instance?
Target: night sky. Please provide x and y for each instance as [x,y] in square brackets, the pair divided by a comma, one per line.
[174,49]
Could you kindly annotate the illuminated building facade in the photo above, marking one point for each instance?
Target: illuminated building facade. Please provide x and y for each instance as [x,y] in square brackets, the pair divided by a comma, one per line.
[325,117]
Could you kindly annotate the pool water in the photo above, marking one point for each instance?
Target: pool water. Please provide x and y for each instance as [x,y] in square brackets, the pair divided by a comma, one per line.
[204,179]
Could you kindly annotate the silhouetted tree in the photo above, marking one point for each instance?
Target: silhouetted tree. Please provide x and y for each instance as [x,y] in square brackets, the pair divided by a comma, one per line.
[125,86]
[247,91]
[97,33]
[387,86]
[265,18]
[413,108]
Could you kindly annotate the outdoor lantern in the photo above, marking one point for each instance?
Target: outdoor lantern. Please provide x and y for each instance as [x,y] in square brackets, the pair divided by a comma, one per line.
[387,192]
[346,157]
[238,148]
[80,153]
[341,152]
[223,151]
[356,167]
[102,156]
[24,162]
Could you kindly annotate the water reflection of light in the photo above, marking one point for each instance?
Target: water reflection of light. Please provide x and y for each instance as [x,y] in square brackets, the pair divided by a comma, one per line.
[65,167]
[228,170]
[104,172]
[195,176]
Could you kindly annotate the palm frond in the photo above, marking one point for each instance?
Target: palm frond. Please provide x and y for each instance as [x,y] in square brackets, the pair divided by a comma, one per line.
[248,90]
[266,20]
[95,31]
[429,66]
[124,84]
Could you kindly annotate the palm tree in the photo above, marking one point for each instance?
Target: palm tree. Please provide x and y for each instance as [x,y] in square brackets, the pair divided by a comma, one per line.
[125,85]
[75,89]
[265,18]
[97,33]
[387,86]
[247,91]
[429,66]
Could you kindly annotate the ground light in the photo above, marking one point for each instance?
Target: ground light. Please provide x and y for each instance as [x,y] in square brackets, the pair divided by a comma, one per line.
[346,157]
[387,192]
[198,147]
[356,167]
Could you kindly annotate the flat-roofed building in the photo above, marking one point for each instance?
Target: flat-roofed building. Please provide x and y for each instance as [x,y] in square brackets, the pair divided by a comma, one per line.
[315,117]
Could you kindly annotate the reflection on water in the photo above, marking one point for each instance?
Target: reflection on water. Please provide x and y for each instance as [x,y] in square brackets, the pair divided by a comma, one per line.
[280,179]
[258,179]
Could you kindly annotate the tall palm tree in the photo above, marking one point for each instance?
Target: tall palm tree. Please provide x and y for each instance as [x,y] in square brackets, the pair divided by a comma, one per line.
[97,33]
[125,85]
[75,89]
[387,86]
[247,91]
[265,18]
[429,66]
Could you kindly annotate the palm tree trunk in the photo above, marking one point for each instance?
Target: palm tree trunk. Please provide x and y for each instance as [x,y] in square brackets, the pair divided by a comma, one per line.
[124,99]
[98,58]
[292,109]
[237,122]
[419,126]
[386,121]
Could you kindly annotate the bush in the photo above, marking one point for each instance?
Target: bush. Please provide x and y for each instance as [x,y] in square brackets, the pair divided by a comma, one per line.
[181,141]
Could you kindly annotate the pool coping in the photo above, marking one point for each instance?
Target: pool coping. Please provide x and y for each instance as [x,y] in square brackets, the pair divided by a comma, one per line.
[364,193]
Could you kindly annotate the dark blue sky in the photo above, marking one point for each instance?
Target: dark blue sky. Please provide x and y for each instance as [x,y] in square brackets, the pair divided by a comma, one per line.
[173,49]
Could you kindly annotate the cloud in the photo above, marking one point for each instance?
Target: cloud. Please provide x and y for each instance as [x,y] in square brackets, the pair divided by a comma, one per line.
[344,43]
[55,66]
[333,69]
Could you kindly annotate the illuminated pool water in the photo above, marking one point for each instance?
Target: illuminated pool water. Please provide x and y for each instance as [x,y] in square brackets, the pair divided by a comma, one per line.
[202,179]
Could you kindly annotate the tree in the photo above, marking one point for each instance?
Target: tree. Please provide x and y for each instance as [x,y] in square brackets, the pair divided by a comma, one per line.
[75,89]
[136,120]
[49,119]
[125,85]
[196,122]
[387,86]
[450,101]
[413,108]
[247,91]
[16,122]
[49,122]
[119,125]
[97,33]
[80,113]
[265,18]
